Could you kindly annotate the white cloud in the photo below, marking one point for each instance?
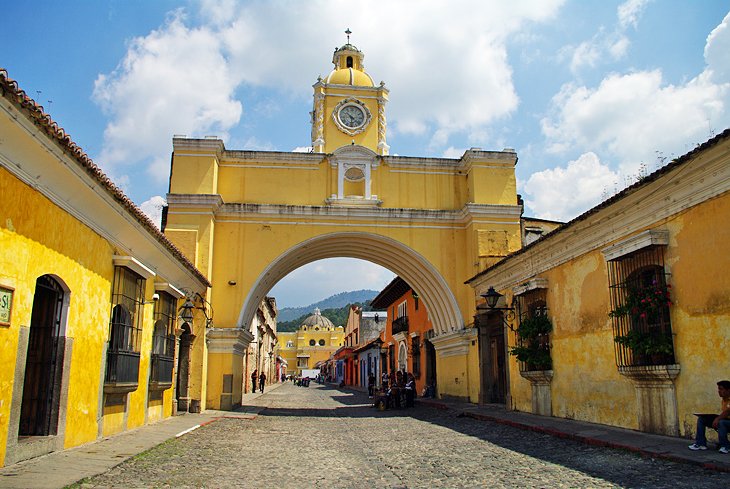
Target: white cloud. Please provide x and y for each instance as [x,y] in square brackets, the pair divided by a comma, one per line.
[302,149]
[630,119]
[452,152]
[163,86]
[321,279]
[562,193]
[605,44]
[717,52]
[631,116]
[182,78]
[630,11]
[153,209]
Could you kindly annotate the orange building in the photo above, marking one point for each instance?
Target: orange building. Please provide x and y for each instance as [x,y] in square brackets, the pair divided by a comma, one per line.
[407,333]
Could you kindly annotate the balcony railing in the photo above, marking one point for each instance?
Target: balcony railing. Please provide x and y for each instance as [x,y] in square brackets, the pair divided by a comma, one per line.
[400,325]
[122,370]
[161,373]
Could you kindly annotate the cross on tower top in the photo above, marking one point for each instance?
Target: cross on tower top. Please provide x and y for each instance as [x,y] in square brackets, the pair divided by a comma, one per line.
[348,32]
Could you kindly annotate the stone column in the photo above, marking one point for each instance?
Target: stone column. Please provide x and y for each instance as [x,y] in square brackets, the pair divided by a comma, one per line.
[541,396]
[656,398]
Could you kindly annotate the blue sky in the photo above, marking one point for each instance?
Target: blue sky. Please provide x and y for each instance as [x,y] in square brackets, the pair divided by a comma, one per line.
[589,93]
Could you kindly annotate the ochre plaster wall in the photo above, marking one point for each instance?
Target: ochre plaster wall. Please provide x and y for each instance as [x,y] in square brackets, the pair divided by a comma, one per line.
[586,384]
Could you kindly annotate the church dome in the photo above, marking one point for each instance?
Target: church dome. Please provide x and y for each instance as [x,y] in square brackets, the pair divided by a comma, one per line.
[317,320]
[349,68]
[349,76]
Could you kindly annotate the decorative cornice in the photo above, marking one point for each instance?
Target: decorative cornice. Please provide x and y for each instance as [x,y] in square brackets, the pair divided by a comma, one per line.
[205,202]
[211,146]
[538,377]
[532,284]
[353,202]
[133,264]
[228,340]
[651,375]
[170,289]
[463,216]
[651,237]
[454,344]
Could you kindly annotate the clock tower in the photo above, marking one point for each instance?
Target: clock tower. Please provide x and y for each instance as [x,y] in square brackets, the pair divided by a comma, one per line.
[348,107]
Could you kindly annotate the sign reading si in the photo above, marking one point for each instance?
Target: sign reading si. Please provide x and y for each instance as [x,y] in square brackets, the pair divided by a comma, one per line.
[6,305]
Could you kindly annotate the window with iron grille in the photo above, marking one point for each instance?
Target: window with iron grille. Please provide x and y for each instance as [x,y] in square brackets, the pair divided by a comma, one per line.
[125,327]
[163,339]
[640,302]
[533,332]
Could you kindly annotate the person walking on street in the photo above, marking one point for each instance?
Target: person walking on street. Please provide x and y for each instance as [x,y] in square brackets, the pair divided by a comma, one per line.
[262,381]
[254,379]
[410,390]
[371,384]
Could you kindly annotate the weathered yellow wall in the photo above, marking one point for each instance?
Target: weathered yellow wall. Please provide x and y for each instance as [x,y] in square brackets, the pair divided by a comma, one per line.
[452,378]
[113,420]
[586,384]
[33,242]
[698,260]
[155,411]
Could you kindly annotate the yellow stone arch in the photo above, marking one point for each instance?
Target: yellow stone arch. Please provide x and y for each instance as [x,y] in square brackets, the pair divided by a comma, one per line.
[386,252]
[247,218]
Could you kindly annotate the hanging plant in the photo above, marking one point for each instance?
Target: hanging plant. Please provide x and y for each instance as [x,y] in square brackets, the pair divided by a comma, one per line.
[534,348]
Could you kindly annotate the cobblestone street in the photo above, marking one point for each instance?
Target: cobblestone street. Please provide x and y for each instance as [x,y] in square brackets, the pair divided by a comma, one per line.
[323,437]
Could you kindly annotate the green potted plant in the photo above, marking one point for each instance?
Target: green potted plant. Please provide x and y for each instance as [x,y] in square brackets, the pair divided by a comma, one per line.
[653,347]
[533,348]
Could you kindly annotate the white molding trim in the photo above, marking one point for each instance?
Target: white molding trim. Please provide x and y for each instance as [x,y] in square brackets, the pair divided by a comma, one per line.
[454,344]
[170,289]
[133,264]
[532,284]
[648,238]
[228,340]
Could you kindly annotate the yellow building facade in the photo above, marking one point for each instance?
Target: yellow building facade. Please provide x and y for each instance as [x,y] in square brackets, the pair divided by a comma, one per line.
[248,218]
[89,294]
[315,340]
[635,291]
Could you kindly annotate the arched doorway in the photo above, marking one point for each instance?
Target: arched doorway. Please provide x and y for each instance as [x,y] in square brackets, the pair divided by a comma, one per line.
[44,361]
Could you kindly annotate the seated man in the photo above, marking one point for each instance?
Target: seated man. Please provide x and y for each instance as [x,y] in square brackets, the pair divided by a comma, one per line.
[720,422]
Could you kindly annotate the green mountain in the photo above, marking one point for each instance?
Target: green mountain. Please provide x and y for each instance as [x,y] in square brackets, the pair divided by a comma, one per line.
[335,308]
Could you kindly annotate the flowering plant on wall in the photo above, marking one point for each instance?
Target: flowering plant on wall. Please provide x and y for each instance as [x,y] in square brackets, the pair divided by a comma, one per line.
[644,303]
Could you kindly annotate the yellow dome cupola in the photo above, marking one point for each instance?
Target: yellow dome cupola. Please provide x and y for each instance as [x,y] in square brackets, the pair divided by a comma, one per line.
[349,68]
[349,109]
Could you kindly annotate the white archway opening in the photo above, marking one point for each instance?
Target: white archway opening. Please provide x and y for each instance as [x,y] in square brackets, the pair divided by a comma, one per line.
[410,266]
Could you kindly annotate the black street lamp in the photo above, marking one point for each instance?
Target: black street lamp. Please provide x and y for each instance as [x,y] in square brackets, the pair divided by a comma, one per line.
[492,299]
[193,300]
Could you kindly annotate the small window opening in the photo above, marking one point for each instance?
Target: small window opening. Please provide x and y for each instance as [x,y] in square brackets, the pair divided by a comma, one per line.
[349,61]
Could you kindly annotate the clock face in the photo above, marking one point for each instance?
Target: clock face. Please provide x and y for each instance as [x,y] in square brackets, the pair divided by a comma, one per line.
[352,116]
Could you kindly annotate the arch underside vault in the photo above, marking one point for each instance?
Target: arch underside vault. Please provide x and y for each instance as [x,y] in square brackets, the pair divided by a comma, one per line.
[410,266]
